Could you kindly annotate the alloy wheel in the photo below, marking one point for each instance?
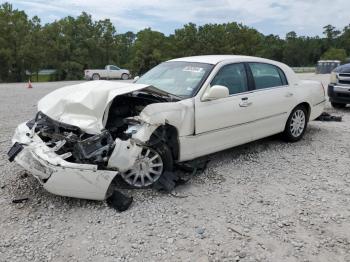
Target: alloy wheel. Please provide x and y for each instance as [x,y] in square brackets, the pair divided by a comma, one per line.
[297,124]
[147,169]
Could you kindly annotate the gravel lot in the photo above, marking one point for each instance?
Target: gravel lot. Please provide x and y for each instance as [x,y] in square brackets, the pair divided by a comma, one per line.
[265,201]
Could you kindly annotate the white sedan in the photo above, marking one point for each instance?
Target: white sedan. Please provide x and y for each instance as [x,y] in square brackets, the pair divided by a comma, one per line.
[86,135]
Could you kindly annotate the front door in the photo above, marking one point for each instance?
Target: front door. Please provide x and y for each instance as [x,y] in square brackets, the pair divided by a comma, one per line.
[114,72]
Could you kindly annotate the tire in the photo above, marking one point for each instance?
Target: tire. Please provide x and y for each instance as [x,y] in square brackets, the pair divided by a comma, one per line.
[95,77]
[125,76]
[167,162]
[338,105]
[296,124]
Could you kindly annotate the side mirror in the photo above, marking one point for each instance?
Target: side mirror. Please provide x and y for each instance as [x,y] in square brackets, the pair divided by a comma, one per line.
[216,92]
[135,79]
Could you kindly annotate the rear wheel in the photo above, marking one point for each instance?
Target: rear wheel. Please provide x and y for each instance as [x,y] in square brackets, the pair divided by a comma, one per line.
[95,77]
[338,105]
[125,76]
[149,166]
[296,124]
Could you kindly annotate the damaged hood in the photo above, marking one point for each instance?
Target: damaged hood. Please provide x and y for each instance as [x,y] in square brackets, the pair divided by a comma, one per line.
[84,105]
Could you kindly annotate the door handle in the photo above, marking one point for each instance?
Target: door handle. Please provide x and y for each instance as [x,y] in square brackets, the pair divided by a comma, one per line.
[245,102]
[289,94]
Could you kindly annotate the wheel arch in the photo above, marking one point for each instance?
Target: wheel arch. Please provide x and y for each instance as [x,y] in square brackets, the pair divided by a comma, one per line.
[169,135]
[308,108]
[92,76]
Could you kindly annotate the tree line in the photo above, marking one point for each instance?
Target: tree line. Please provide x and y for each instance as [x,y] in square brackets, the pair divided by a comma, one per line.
[72,44]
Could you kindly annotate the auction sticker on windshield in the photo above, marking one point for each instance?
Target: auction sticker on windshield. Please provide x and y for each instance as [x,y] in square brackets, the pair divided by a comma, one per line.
[193,69]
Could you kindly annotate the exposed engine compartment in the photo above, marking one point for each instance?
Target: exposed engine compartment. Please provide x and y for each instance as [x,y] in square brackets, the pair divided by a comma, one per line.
[76,146]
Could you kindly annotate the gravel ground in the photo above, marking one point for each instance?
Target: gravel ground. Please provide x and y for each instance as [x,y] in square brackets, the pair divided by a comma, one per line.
[264,201]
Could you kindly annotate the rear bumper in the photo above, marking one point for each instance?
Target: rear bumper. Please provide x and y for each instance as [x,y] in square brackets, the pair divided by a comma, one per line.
[58,176]
[339,93]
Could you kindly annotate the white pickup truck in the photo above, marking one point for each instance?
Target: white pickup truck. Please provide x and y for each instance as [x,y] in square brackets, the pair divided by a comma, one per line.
[110,72]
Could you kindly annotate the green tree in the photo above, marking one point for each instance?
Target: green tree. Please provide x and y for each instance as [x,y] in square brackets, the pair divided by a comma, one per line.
[124,46]
[150,48]
[335,54]
[14,30]
[72,44]
[344,39]
[186,41]
[330,32]
[272,48]
[32,49]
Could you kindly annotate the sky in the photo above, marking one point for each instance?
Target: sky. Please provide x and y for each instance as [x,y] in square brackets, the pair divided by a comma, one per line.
[305,17]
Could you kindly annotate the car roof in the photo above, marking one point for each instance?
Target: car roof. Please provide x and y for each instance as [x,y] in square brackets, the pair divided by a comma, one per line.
[214,59]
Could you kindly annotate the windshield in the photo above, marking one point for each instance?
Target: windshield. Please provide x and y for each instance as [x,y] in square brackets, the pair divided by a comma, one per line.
[178,78]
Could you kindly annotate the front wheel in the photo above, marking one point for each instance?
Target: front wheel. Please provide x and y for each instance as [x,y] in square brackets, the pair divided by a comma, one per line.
[296,124]
[125,76]
[149,166]
[338,105]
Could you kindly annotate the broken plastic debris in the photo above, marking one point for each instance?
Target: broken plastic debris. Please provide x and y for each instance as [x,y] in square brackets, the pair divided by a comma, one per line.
[194,166]
[119,201]
[167,181]
[20,200]
[328,117]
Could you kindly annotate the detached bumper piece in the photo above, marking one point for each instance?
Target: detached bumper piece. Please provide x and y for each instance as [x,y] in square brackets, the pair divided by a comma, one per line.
[14,151]
[328,117]
[57,174]
[119,201]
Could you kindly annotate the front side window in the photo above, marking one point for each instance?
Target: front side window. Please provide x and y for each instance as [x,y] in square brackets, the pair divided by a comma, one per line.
[178,78]
[232,76]
[266,75]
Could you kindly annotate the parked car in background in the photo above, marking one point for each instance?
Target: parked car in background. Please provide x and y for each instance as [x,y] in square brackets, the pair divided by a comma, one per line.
[110,72]
[339,87]
[86,135]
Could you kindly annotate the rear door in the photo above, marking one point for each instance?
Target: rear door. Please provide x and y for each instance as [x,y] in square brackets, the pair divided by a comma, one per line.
[273,98]
[225,122]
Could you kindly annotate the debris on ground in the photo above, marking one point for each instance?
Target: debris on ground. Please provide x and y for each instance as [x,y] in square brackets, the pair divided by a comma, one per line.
[168,181]
[195,166]
[184,172]
[328,117]
[20,200]
[23,175]
[200,232]
[119,201]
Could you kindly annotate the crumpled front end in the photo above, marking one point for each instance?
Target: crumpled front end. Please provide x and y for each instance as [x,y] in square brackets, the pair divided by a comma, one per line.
[69,162]
[71,158]
[57,175]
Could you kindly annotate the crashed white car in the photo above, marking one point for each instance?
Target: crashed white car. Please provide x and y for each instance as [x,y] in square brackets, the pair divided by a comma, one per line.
[86,135]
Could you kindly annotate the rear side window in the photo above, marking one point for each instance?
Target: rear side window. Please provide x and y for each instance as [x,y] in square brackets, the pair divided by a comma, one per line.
[266,75]
[232,76]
